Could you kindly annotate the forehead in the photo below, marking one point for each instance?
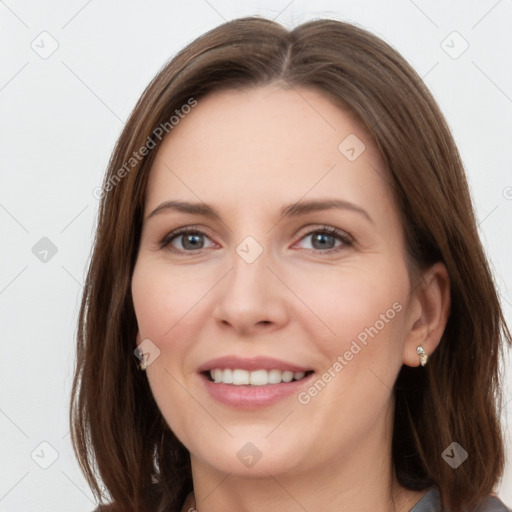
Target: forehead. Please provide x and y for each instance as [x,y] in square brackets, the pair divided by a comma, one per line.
[267,144]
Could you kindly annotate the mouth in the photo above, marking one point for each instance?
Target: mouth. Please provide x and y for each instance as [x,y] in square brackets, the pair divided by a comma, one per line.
[259,377]
[252,382]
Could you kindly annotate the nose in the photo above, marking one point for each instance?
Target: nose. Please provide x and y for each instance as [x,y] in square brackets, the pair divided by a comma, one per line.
[251,299]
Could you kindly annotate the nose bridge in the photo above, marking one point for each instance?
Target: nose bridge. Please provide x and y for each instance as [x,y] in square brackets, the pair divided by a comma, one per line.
[251,294]
[249,279]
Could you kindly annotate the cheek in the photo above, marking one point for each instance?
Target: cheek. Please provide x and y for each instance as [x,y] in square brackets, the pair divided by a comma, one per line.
[364,309]
[359,314]
[164,297]
[350,299]
[166,302]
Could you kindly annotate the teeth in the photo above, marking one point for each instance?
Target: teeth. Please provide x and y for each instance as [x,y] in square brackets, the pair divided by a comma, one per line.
[240,377]
[274,376]
[287,376]
[258,377]
[255,378]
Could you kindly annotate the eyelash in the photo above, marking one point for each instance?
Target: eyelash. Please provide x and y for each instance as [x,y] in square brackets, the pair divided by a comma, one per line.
[191,230]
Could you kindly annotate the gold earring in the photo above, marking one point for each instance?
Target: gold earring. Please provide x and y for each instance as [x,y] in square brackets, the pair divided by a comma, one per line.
[423,355]
[141,364]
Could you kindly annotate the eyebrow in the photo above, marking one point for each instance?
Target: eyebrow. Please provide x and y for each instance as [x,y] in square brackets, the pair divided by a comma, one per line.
[292,210]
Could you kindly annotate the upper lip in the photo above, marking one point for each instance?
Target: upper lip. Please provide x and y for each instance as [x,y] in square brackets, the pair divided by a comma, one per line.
[250,364]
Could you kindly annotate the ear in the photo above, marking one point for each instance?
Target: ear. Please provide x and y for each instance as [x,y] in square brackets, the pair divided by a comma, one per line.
[138,339]
[429,311]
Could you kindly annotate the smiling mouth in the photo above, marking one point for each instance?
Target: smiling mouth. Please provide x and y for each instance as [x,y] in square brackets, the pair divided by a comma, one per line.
[239,377]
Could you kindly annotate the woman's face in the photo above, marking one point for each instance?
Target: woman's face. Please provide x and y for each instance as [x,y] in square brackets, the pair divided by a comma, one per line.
[295,263]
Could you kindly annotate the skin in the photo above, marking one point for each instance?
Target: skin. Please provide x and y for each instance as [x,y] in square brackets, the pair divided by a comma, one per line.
[248,154]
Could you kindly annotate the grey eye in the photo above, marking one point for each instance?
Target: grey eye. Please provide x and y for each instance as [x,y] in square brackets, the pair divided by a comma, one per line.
[191,241]
[323,241]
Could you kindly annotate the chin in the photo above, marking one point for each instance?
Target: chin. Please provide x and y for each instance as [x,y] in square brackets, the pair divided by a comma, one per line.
[245,458]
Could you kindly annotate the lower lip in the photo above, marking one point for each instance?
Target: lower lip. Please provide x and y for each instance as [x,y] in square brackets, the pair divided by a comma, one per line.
[251,397]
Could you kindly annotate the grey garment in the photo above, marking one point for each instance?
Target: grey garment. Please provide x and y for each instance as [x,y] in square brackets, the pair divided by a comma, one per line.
[431,502]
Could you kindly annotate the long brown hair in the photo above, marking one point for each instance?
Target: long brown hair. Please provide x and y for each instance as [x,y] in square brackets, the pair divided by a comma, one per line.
[120,438]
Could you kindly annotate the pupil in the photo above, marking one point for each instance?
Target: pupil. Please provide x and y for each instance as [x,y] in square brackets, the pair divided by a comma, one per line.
[192,241]
[321,238]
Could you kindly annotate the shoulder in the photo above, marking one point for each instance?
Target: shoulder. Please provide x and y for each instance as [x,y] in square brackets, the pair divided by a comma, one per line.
[492,504]
[431,502]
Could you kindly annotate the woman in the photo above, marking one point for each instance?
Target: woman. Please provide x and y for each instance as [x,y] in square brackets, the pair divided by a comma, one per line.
[286,242]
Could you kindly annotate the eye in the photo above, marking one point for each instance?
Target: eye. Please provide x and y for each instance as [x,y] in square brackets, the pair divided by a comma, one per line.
[328,239]
[185,240]
[325,239]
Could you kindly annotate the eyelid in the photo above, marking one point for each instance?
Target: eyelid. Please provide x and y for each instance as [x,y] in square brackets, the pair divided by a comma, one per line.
[346,239]
[165,242]
[343,236]
[321,228]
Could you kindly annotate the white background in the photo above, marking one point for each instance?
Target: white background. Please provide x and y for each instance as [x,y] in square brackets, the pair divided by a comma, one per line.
[61,116]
